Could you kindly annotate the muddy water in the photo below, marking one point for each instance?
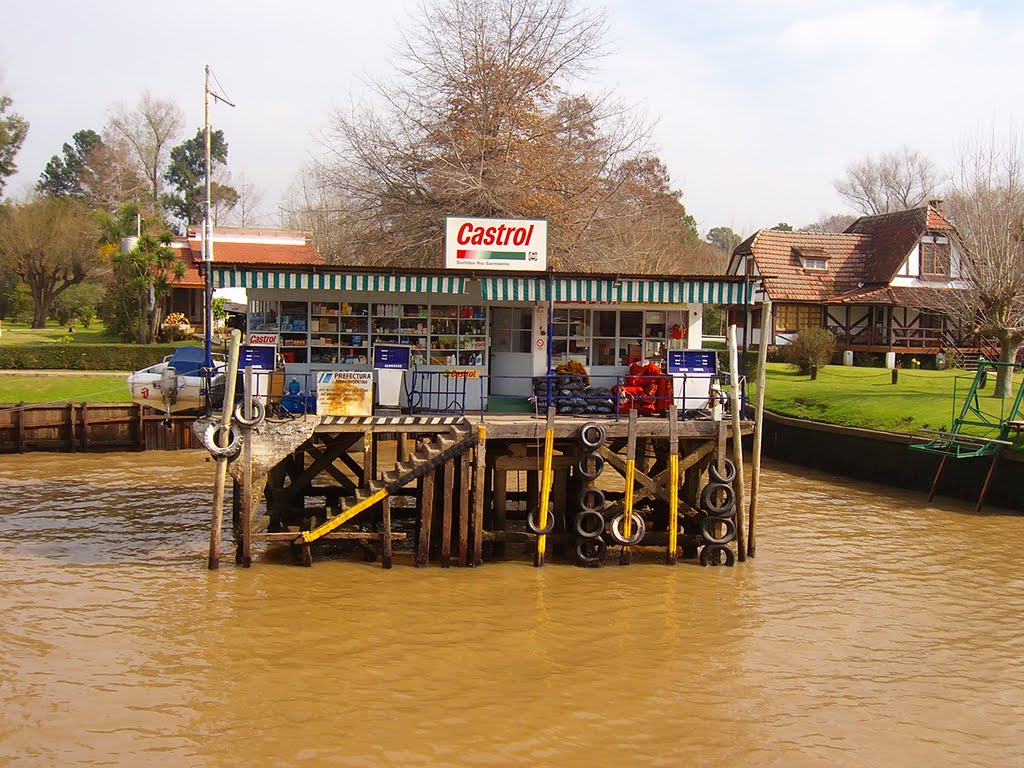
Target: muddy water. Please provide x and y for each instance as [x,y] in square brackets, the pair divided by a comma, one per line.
[871,630]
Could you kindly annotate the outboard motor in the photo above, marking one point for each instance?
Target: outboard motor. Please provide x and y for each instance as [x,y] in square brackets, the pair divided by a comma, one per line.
[169,387]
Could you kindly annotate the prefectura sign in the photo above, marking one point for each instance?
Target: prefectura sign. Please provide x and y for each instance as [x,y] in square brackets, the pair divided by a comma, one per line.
[518,244]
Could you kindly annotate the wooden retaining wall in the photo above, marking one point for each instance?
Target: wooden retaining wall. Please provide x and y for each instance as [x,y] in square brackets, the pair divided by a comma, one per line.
[71,427]
[885,457]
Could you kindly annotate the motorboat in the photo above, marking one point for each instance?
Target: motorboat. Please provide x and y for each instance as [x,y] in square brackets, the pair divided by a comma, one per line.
[179,382]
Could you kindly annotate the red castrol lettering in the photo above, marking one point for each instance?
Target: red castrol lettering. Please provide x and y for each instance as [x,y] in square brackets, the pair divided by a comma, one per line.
[500,235]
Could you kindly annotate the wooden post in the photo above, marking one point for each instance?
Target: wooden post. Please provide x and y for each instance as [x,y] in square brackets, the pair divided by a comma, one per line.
[464,509]
[988,479]
[217,516]
[625,557]
[935,480]
[140,422]
[737,440]
[84,425]
[673,484]
[20,412]
[245,548]
[755,472]
[402,450]
[367,457]
[386,535]
[500,509]
[545,488]
[71,427]
[426,519]
[478,494]
[446,513]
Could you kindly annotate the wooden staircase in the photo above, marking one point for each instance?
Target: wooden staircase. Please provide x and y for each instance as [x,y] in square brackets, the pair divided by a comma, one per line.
[430,455]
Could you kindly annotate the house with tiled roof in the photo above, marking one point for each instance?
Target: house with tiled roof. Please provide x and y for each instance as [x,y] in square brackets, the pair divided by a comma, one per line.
[881,286]
[254,247]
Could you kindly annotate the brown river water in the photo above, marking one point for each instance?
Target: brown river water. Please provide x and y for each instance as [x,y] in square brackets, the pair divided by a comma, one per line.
[872,629]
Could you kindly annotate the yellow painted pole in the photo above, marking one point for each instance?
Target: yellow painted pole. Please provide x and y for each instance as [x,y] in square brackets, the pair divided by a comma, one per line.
[673,484]
[627,501]
[545,488]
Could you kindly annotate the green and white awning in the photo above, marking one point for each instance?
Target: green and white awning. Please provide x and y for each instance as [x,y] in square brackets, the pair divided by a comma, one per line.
[243,278]
[617,291]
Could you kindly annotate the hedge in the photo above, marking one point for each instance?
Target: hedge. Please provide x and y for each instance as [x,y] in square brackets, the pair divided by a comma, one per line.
[84,357]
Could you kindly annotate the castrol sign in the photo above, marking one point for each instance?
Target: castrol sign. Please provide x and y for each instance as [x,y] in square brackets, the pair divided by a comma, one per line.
[262,339]
[516,244]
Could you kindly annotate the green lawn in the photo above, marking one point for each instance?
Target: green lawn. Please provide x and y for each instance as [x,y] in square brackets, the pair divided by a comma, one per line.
[21,333]
[866,397]
[16,388]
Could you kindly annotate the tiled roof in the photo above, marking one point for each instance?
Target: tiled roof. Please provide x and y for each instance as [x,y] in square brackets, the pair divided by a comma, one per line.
[264,248]
[918,298]
[893,237]
[778,260]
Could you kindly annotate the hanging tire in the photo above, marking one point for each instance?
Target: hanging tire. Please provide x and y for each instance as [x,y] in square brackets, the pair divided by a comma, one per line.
[588,495]
[234,441]
[726,507]
[592,435]
[596,524]
[591,551]
[707,530]
[531,523]
[712,555]
[581,465]
[722,477]
[639,529]
[258,412]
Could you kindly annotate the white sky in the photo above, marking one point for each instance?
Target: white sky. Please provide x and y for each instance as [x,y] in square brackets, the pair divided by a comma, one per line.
[760,104]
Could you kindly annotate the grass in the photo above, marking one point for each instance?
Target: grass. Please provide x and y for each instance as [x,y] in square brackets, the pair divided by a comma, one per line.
[867,398]
[16,388]
[20,333]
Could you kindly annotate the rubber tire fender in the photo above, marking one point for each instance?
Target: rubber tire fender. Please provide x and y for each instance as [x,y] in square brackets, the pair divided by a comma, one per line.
[592,435]
[585,495]
[639,529]
[725,508]
[716,549]
[718,477]
[581,465]
[259,411]
[591,551]
[707,530]
[234,441]
[531,523]
[582,531]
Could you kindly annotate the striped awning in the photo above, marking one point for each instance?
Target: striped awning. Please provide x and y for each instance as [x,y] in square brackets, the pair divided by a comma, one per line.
[617,291]
[244,278]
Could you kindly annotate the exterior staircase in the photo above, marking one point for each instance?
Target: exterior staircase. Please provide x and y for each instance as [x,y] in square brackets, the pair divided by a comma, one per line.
[429,456]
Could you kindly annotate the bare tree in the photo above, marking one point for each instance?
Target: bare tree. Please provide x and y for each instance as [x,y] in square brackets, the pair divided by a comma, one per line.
[150,129]
[111,177]
[836,222]
[250,198]
[316,207]
[478,121]
[986,205]
[897,181]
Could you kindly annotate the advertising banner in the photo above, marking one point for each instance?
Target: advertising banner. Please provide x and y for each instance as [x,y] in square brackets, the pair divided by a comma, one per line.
[509,244]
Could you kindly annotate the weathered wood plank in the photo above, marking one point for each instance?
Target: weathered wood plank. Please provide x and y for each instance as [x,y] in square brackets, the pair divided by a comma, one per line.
[426,519]
[446,513]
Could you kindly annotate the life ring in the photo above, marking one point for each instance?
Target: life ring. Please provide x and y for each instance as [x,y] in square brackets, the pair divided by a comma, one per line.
[581,465]
[234,440]
[591,551]
[587,494]
[707,530]
[711,555]
[592,435]
[724,508]
[258,412]
[723,477]
[531,523]
[639,529]
[581,527]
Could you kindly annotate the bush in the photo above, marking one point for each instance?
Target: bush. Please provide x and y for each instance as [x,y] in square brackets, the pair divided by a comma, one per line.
[83,357]
[812,347]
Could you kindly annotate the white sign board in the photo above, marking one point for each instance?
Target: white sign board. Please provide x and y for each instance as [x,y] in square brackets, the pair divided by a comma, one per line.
[344,393]
[508,244]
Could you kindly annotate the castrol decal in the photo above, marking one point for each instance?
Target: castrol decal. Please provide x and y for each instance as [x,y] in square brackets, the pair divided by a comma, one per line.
[508,244]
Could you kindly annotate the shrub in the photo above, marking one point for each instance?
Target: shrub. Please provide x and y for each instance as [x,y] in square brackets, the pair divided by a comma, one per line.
[812,347]
[83,357]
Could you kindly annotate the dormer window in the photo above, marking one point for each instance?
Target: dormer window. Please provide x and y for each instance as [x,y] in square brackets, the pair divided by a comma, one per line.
[934,256]
[812,258]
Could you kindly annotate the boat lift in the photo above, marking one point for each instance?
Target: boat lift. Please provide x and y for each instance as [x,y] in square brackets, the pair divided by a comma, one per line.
[994,428]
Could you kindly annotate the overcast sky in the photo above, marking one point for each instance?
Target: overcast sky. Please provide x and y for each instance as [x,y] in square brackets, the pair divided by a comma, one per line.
[760,104]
